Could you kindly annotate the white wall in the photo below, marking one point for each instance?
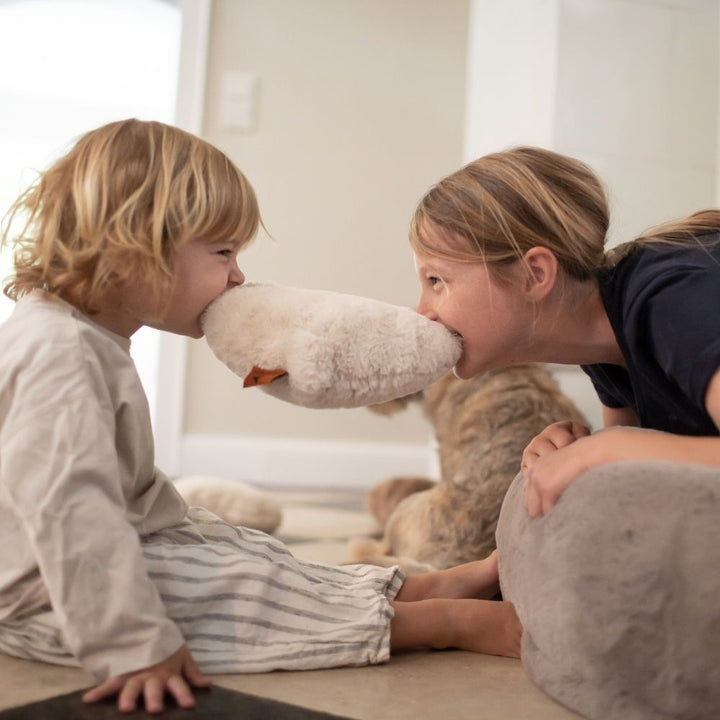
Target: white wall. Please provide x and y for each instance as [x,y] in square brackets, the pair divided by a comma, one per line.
[637,98]
[512,75]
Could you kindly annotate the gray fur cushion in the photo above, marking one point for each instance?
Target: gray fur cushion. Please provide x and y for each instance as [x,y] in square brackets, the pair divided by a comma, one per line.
[618,590]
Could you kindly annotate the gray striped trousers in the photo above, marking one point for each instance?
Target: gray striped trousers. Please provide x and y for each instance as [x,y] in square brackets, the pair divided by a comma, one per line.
[244,604]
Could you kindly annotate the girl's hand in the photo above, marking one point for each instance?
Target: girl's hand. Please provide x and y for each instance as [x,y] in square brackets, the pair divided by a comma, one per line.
[550,475]
[553,437]
[550,466]
[551,461]
[152,683]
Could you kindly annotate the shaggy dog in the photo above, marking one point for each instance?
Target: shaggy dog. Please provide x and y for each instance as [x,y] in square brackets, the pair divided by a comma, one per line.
[482,426]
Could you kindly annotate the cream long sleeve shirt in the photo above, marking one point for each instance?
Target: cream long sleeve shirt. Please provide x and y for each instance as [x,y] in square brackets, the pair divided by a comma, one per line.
[78,488]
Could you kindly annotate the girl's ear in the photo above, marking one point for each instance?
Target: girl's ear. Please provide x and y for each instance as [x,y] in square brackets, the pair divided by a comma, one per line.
[542,269]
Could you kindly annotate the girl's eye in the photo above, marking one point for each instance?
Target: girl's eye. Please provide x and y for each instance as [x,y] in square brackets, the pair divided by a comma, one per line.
[433,281]
[225,252]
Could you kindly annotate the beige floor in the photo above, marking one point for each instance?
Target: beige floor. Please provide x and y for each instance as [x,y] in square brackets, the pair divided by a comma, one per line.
[416,686]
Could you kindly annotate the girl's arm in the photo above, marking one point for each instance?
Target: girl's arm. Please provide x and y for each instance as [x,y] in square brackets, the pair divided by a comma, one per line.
[550,468]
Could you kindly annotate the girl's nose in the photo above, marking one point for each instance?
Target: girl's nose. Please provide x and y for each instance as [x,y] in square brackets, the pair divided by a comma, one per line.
[424,308]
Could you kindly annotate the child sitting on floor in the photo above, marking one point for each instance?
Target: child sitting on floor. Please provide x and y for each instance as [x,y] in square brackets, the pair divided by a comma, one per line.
[102,563]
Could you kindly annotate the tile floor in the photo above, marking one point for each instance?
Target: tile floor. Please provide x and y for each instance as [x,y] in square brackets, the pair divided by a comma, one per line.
[414,686]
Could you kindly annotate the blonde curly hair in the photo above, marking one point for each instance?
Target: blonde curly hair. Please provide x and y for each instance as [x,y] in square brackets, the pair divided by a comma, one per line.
[117,207]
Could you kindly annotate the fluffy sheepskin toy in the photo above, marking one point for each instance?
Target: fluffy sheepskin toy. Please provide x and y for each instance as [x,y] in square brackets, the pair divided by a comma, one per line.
[323,349]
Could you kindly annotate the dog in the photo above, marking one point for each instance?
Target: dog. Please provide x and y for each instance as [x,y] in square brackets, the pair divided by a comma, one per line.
[482,426]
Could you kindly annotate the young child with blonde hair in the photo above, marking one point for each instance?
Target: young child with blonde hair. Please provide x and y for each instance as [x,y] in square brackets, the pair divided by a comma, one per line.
[510,252]
[102,563]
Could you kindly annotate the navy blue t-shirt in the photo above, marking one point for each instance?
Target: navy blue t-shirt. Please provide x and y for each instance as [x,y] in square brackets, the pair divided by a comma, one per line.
[663,303]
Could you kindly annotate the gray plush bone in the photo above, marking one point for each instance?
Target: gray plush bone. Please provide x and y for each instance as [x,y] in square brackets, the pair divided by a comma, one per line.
[338,350]
[618,591]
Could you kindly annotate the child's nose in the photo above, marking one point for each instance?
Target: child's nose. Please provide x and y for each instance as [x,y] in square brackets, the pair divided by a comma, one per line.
[236,277]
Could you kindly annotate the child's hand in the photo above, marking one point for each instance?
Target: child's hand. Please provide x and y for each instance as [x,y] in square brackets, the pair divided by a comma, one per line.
[152,683]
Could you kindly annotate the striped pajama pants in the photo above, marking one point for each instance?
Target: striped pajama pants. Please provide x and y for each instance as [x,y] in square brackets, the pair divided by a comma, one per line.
[244,604]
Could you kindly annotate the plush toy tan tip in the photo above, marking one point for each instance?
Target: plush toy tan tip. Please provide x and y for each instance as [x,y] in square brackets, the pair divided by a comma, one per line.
[260,376]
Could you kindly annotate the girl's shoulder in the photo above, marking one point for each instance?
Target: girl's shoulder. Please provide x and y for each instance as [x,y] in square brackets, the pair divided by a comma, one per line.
[656,266]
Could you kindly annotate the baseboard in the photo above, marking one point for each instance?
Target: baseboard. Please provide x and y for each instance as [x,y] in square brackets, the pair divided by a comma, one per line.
[286,463]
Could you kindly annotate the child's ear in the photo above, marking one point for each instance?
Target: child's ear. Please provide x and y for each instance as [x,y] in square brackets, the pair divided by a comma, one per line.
[542,269]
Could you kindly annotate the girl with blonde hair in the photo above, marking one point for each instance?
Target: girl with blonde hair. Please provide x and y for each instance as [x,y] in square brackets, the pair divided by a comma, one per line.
[102,562]
[510,252]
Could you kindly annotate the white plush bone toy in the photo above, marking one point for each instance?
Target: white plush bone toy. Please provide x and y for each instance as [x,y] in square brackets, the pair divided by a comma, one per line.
[322,349]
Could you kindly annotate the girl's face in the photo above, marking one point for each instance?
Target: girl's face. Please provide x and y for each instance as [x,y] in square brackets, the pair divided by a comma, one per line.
[203,271]
[494,320]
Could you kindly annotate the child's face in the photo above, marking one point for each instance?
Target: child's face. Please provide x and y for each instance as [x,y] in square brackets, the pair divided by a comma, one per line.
[203,271]
[492,319]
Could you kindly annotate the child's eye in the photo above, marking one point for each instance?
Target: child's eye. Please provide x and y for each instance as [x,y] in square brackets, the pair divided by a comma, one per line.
[433,281]
[226,252]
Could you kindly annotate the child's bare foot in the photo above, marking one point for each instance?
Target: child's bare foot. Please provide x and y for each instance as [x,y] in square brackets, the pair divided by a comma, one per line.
[487,626]
[477,579]
[484,626]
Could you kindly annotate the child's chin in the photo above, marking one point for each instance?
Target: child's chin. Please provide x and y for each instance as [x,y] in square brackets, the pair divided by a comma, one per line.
[194,333]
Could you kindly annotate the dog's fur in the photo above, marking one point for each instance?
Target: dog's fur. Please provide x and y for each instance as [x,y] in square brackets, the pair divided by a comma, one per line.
[482,426]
